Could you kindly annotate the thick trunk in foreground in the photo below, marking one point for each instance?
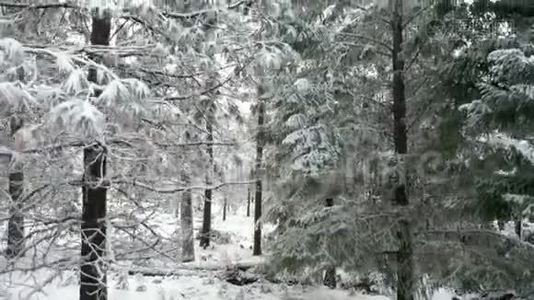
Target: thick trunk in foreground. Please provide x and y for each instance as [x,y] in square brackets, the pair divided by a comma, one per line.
[15,226]
[93,281]
[186,220]
[405,264]
[93,275]
[329,279]
[259,153]
[206,218]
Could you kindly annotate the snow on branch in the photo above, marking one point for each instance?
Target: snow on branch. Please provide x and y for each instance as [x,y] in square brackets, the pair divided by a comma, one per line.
[121,51]
[181,189]
[114,141]
[38,5]
[175,15]
[507,142]
[479,238]
[209,89]
[200,12]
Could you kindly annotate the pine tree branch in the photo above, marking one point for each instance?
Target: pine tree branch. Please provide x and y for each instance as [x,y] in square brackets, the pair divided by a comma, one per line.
[174,15]
[475,237]
[38,6]
[191,144]
[367,38]
[416,15]
[93,49]
[181,189]
[124,142]
[208,90]
[194,14]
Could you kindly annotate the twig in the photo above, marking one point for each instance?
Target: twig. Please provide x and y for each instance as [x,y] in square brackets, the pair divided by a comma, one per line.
[181,189]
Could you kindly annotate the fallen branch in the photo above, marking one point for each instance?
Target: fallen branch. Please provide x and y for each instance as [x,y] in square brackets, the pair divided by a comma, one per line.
[178,270]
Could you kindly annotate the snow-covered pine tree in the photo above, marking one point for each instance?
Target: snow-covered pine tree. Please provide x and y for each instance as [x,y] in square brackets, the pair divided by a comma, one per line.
[14,103]
[476,168]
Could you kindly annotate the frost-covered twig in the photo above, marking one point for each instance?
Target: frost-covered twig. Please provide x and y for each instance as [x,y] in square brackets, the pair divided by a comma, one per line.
[181,189]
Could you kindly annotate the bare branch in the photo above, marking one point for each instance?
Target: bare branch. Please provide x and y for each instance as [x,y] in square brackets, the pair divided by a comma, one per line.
[181,189]
[174,15]
[38,5]
[367,38]
[208,90]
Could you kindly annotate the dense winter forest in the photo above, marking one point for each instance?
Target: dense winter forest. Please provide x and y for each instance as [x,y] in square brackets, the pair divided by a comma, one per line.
[266,149]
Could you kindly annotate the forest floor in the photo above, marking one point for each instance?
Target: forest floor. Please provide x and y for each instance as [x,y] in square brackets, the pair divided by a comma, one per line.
[199,280]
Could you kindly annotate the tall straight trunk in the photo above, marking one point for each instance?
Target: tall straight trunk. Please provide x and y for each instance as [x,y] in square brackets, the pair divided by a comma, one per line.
[206,218]
[224,208]
[500,224]
[248,202]
[15,225]
[329,279]
[186,220]
[93,279]
[519,228]
[259,154]
[405,264]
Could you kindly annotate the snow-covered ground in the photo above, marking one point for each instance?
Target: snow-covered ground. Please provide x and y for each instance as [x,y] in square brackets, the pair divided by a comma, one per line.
[190,285]
[194,281]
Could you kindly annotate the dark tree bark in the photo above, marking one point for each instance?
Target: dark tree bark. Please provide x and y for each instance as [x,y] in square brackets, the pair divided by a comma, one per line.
[15,226]
[93,279]
[500,224]
[186,220]
[519,228]
[247,7]
[259,154]
[405,264]
[224,208]
[329,279]
[248,202]
[206,218]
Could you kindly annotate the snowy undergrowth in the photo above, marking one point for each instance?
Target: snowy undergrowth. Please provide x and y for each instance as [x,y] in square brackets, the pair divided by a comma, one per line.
[195,280]
[202,286]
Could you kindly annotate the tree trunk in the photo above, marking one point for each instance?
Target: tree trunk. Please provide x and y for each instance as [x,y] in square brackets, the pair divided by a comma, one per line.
[248,202]
[519,228]
[405,268]
[329,279]
[186,219]
[247,7]
[259,153]
[224,208]
[93,279]
[500,224]
[206,218]
[93,274]
[15,227]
